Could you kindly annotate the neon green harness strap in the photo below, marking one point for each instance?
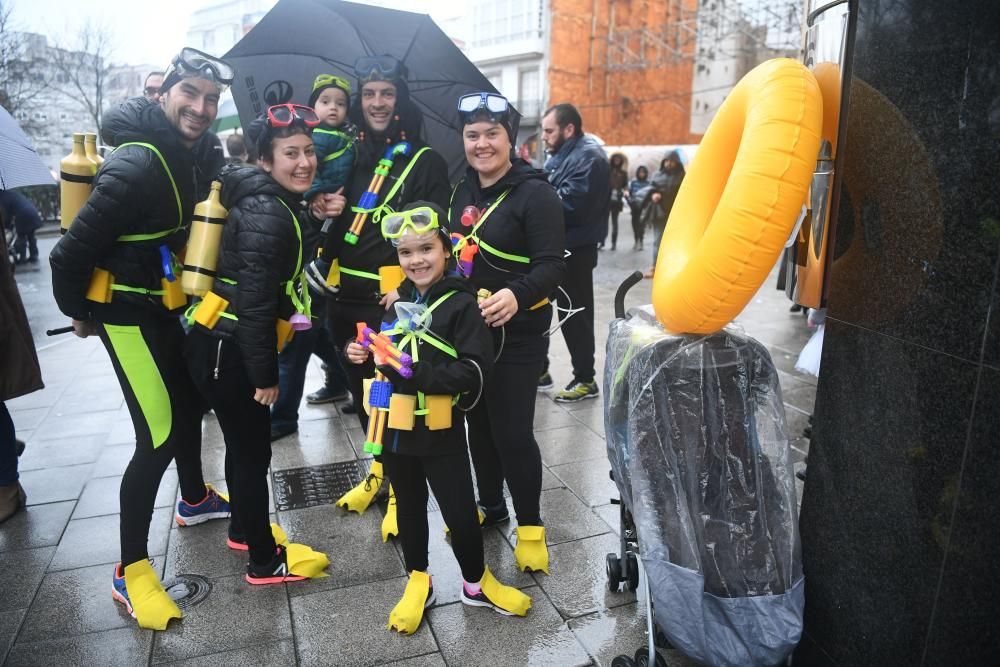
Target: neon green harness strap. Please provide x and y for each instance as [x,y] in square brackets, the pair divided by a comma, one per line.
[360,274]
[474,233]
[336,133]
[301,300]
[177,198]
[143,378]
[378,211]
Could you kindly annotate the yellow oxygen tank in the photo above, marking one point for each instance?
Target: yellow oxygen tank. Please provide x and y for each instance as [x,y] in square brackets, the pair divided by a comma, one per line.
[202,255]
[90,148]
[76,176]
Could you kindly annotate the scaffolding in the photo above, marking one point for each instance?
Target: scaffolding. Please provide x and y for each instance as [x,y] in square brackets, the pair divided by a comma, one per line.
[715,29]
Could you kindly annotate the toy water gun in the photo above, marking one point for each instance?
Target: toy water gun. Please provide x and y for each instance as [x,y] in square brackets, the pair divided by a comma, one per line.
[370,197]
[384,351]
[466,250]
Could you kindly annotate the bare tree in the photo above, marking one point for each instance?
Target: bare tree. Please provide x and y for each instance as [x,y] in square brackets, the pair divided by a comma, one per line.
[82,69]
[22,76]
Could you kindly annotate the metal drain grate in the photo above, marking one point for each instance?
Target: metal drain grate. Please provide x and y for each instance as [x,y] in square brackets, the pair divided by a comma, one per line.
[316,485]
[187,590]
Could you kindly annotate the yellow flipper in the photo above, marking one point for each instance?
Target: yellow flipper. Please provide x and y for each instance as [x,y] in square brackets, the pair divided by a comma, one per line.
[151,605]
[390,527]
[280,537]
[305,562]
[405,617]
[360,497]
[506,597]
[531,552]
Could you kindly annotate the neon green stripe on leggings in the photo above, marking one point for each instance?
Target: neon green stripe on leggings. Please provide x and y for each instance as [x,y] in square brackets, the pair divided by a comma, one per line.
[144,379]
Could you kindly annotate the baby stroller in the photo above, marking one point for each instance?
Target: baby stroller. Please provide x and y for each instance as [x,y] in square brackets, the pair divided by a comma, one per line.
[699,450]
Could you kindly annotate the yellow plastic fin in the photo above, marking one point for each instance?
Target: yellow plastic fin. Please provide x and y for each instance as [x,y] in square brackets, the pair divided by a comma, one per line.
[151,605]
[360,497]
[506,597]
[389,525]
[405,617]
[531,552]
[279,535]
[304,561]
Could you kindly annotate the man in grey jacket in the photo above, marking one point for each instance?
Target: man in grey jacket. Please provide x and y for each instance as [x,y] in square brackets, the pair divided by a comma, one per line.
[579,171]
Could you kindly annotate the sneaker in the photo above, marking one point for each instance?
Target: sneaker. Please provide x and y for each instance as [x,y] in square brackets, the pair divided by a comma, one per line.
[326,395]
[545,381]
[480,600]
[492,516]
[275,572]
[118,590]
[236,542]
[213,506]
[577,391]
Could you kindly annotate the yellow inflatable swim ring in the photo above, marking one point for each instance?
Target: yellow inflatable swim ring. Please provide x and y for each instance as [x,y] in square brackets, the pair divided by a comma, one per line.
[740,199]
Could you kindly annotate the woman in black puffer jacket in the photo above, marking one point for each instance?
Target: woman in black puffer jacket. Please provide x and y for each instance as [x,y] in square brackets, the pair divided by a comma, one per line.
[234,360]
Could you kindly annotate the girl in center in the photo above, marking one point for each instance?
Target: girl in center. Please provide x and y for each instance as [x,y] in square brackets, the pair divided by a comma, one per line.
[437,323]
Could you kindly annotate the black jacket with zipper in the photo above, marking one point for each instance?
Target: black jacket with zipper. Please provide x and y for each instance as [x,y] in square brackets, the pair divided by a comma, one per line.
[528,222]
[132,194]
[458,322]
[427,181]
[259,251]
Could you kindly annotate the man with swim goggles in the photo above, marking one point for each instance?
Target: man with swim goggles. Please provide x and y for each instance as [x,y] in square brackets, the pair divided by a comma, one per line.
[125,240]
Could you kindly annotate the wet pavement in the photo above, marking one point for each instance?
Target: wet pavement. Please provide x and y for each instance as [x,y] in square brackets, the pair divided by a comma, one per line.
[56,558]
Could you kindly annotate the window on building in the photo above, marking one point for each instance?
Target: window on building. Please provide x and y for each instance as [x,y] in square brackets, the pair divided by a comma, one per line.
[529,92]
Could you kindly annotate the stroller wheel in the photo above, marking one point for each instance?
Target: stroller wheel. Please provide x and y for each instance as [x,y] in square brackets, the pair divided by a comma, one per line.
[614,570]
[632,568]
[622,661]
[642,658]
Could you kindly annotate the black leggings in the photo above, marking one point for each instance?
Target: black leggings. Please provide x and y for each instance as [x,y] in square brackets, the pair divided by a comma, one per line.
[502,440]
[343,319]
[451,482]
[615,212]
[166,414]
[638,229]
[246,427]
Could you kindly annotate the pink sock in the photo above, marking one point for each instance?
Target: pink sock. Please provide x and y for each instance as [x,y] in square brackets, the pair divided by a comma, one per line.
[472,589]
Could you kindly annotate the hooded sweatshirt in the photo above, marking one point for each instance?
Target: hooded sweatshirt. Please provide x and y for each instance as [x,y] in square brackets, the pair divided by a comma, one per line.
[528,223]
[132,194]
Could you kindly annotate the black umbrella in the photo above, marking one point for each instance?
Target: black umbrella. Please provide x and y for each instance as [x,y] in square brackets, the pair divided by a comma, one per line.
[20,165]
[277,61]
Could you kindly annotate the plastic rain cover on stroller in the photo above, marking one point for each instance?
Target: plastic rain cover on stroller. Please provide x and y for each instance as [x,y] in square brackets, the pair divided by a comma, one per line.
[697,440]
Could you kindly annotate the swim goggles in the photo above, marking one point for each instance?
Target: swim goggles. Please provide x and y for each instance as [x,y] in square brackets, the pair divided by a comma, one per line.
[194,63]
[283,115]
[324,80]
[418,220]
[379,68]
[477,106]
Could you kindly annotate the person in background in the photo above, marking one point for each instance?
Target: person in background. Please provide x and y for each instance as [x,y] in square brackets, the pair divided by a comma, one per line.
[635,194]
[579,172]
[151,87]
[17,210]
[237,149]
[20,375]
[619,181]
[660,199]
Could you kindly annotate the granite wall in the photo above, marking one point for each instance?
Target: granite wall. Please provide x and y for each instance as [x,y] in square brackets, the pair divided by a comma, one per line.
[901,513]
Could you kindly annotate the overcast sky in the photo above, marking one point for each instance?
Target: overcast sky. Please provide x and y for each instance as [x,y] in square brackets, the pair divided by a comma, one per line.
[145,31]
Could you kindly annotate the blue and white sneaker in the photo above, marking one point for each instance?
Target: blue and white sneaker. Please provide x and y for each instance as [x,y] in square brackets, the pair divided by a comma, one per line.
[118,590]
[214,506]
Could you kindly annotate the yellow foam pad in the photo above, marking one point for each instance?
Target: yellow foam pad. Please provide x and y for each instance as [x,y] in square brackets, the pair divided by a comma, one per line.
[390,277]
[151,605]
[360,497]
[99,290]
[304,561]
[438,412]
[390,527]
[405,617]
[531,552]
[506,597]
[173,296]
[401,407]
[207,313]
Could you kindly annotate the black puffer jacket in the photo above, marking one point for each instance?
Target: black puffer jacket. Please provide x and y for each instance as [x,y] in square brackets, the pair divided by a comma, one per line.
[132,194]
[457,321]
[427,181]
[259,251]
[528,222]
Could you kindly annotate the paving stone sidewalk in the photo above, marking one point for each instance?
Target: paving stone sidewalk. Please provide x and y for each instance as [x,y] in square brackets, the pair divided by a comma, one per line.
[56,558]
